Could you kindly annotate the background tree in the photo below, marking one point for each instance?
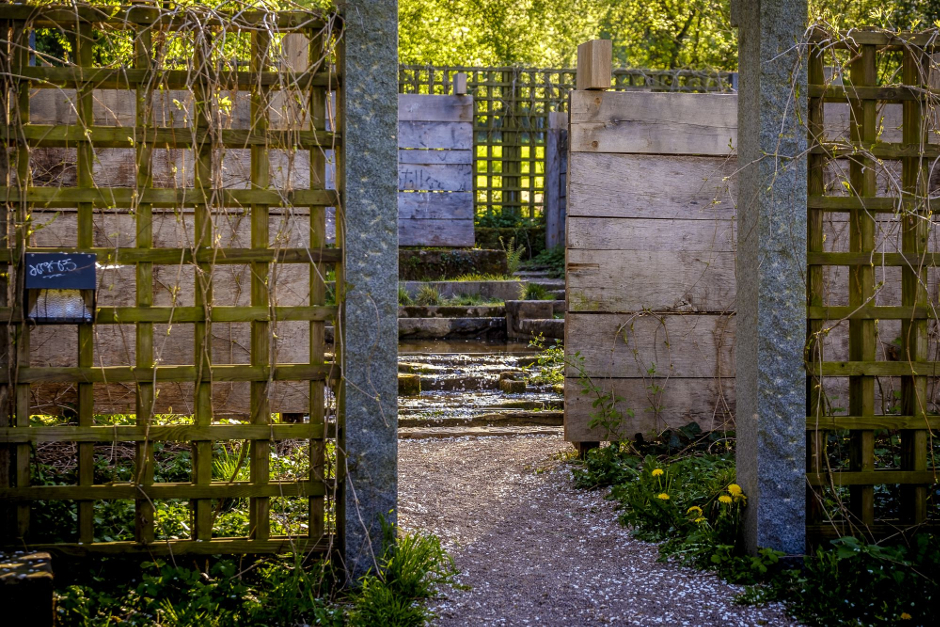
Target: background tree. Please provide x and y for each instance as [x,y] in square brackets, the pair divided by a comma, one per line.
[660,34]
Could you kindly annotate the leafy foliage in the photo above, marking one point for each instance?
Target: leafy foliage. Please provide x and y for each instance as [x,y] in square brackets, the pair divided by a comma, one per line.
[850,582]
[536,291]
[552,259]
[427,296]
[513,254]
[667,34]
[282,592]
[410,571]
[549,367]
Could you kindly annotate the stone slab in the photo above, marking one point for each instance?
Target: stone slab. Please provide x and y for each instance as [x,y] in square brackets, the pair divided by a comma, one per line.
[495,290]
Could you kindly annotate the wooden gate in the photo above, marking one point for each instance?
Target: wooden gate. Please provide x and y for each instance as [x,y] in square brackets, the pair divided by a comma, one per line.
[204,202]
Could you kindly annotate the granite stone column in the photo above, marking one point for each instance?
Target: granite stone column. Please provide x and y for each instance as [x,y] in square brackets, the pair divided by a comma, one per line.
[368,167]
[771,266]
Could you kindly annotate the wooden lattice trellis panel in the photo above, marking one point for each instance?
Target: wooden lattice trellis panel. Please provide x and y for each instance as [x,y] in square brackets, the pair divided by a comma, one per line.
[871,146]
[242,72]
[511,122]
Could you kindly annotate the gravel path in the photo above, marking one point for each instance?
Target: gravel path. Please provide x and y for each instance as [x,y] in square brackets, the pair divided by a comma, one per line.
[536,551]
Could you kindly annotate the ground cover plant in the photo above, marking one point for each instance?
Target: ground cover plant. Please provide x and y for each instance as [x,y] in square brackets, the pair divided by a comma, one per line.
[680,490]
[550,259]
[275,591]
[548,368]
[284,590]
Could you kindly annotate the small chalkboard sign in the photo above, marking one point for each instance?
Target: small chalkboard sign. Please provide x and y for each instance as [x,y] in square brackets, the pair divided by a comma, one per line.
[60,271]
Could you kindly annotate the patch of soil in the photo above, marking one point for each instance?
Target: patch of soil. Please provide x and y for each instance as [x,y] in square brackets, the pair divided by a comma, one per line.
[536,551]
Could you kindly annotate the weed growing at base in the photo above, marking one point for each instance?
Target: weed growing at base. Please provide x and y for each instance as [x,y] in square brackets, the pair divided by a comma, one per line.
[848,582]
[276,591]
[549,368]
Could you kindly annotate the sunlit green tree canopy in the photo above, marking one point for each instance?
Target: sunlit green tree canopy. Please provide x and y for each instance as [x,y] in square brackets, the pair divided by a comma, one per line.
[662,34]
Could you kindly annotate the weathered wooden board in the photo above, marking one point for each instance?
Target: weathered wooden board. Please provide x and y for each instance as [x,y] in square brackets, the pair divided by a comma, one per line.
[651,186]
[662,281]
[424,108]
[435,178]
[708,402]
[438,135]
[630,345]
[432,206]
[556,174]
[424,232]
[653,123]
[625,235]
[435,157]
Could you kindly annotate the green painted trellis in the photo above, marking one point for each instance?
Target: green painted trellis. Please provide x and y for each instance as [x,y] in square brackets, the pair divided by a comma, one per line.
[875,212]
[258,39]
[511,120]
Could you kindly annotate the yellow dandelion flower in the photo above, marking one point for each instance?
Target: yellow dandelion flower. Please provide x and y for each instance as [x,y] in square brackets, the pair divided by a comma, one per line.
[695,509]
[724,498]
[700,519]
[735,489]
[906,616]
[657,472]
[663,497]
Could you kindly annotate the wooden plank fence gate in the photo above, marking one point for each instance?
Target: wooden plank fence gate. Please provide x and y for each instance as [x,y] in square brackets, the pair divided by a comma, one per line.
[212,265]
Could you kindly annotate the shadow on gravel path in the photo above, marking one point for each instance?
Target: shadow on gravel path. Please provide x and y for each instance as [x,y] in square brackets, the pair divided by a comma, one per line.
[536,551]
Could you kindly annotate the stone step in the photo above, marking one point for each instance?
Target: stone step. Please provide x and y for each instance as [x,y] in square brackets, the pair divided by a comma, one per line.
[494,290]
[548,283]
[533,274]
[451,311]
[423,433]
[507,406]
[422,264]
[518,418]
[451,328]
[554,329]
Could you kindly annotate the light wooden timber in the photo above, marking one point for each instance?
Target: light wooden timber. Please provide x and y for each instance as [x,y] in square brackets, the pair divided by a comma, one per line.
[430,206]
[709,402]
[595,64]
[629,345]
[615,281]
[438,135]
[653,123]
[651,186]
[424,232]
[422,108]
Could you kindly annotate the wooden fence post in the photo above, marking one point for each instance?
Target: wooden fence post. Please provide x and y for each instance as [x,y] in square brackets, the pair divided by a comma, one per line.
[512,152]
[556,178]
[460,84]
[595,64]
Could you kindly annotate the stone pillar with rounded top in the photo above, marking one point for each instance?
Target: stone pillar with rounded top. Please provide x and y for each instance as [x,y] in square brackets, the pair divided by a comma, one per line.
[771,266]
[368,173]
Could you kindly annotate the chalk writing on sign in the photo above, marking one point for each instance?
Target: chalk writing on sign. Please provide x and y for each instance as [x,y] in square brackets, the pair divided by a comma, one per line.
[60,271]
[54,268]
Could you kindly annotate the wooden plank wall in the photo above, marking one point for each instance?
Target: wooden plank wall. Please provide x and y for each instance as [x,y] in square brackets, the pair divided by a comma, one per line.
[650,259]
[556,179]
[435,170]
